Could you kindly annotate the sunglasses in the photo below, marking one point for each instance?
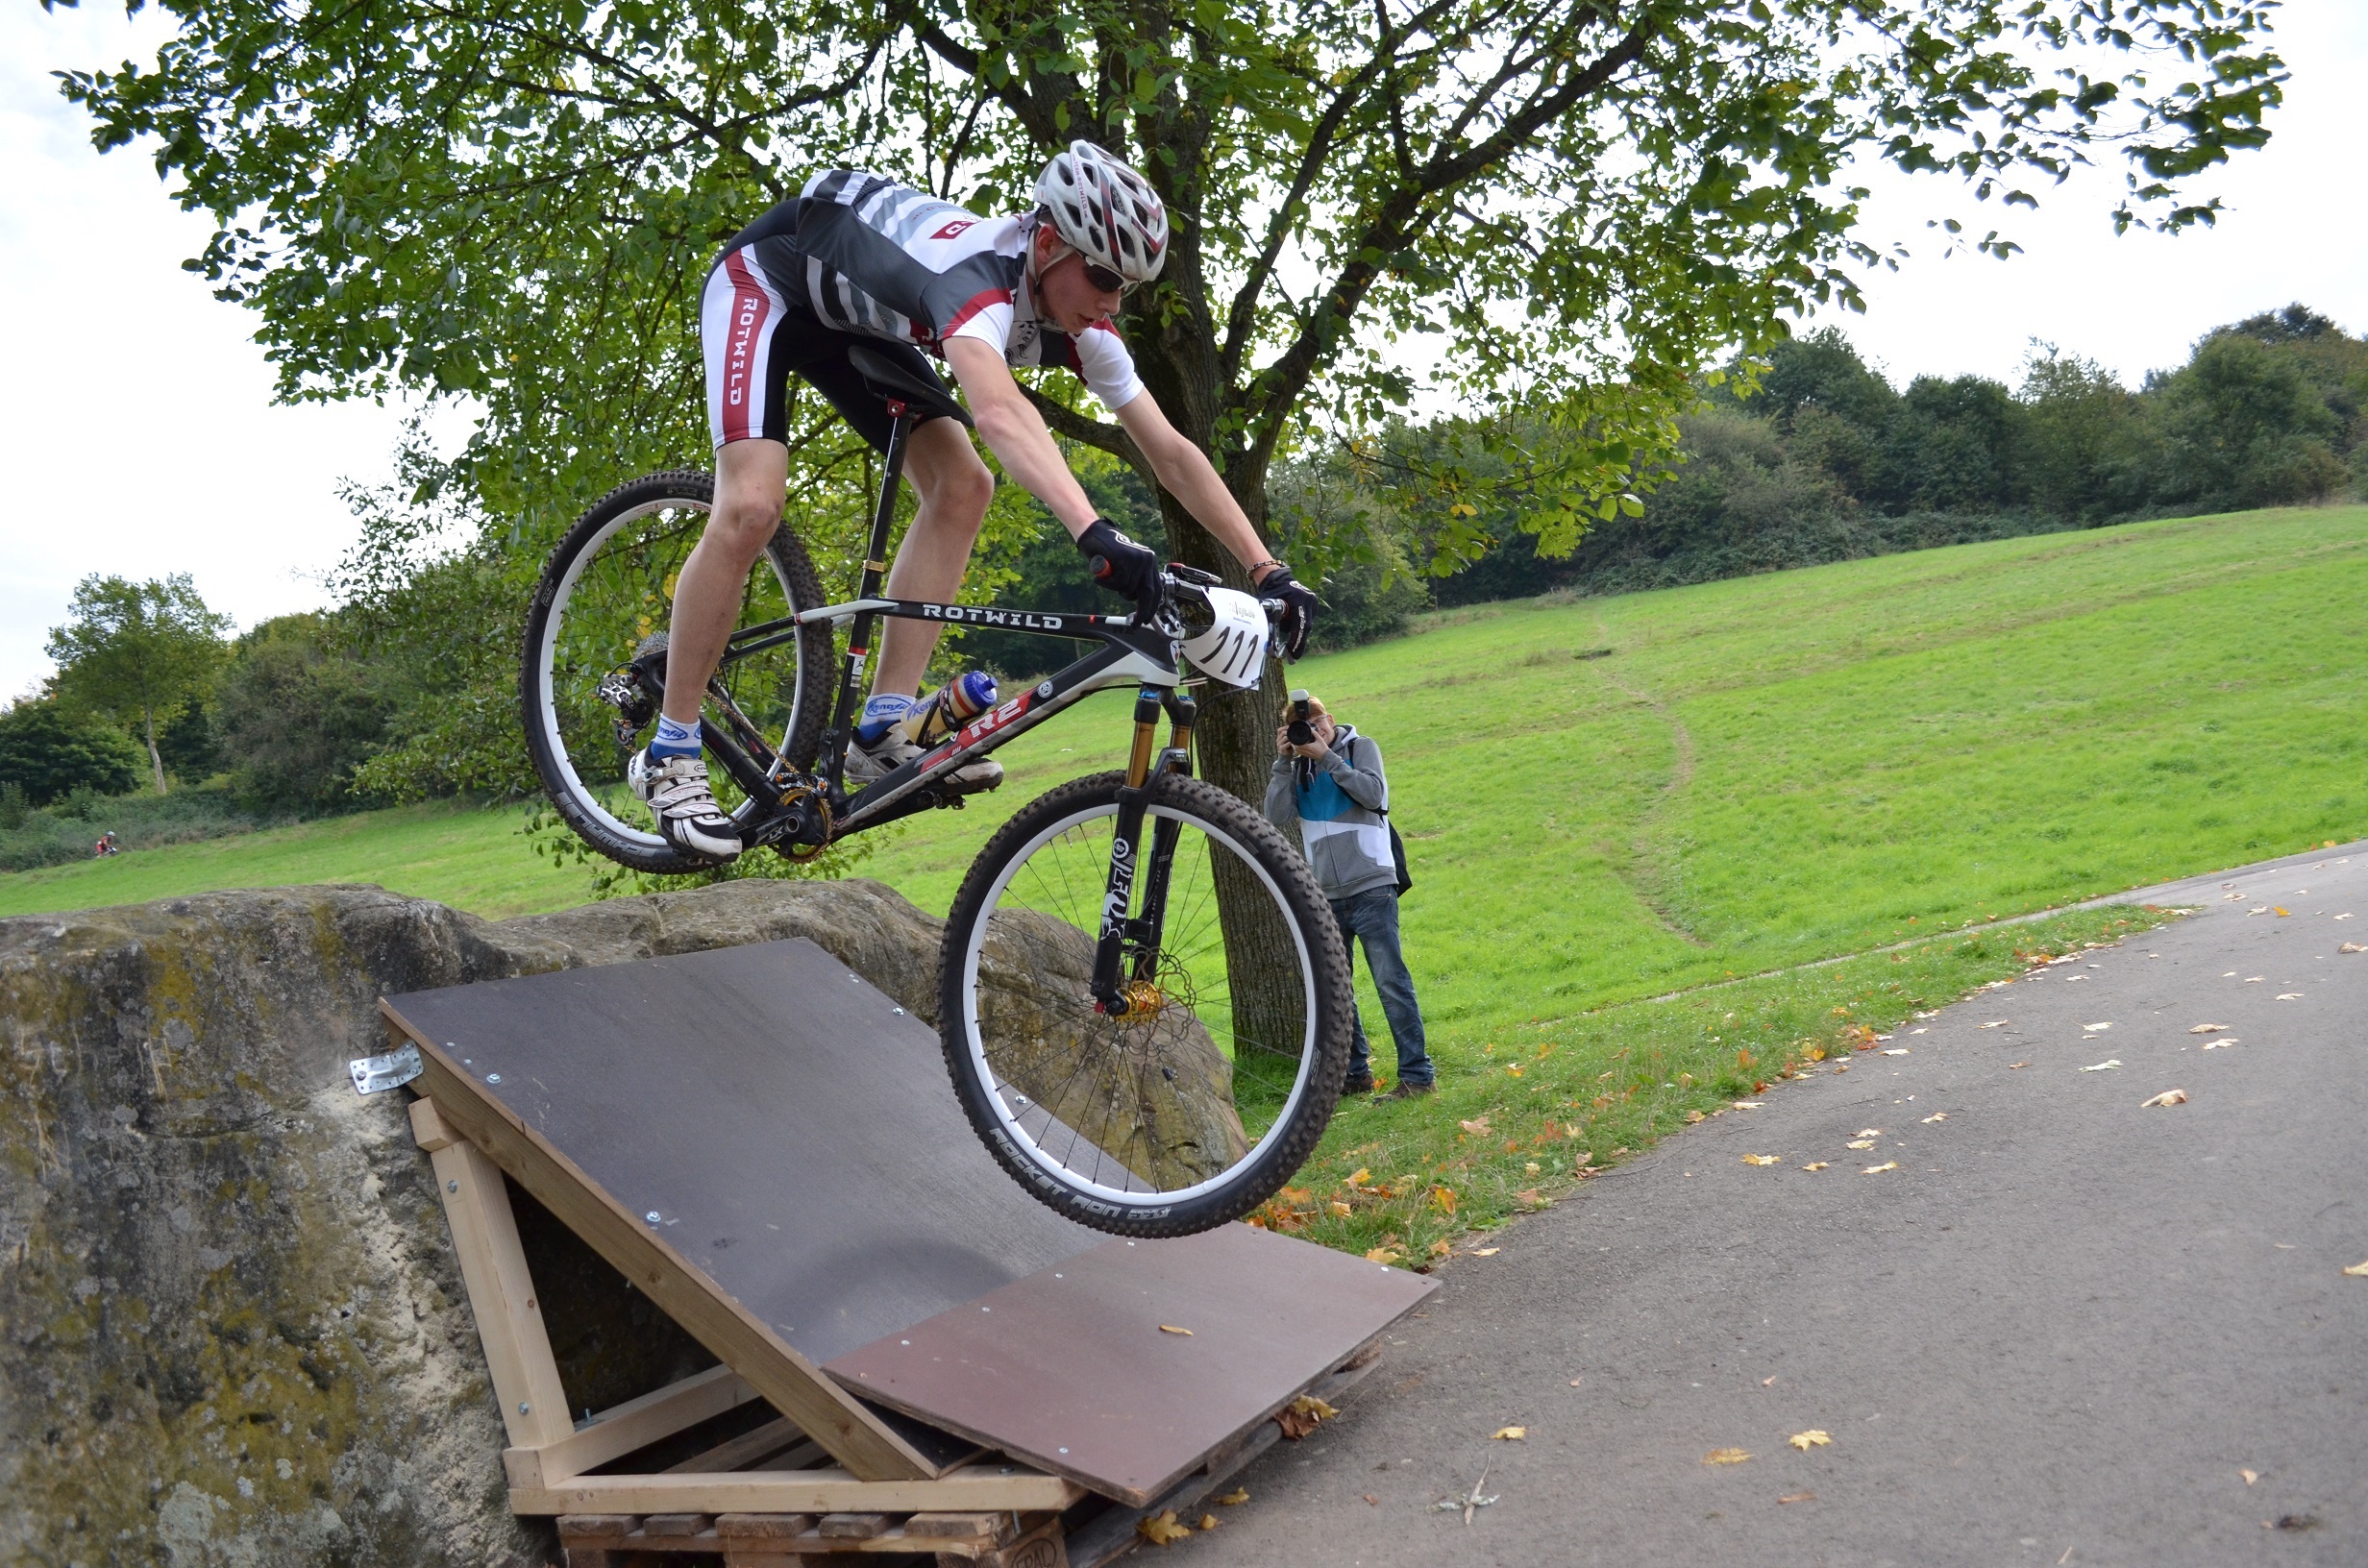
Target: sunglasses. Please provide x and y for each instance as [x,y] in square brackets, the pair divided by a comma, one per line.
[1105,281]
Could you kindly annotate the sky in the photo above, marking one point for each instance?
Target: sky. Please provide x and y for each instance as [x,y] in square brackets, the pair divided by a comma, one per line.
[137,428]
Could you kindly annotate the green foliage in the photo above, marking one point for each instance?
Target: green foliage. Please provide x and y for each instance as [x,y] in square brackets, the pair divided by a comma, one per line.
[140,653]
[63,833]
[515,203]
[296,719]
[2244,424]
[48,751]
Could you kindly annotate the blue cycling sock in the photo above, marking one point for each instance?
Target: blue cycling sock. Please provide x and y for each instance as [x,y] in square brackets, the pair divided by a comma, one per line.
[674,740]
[881,714]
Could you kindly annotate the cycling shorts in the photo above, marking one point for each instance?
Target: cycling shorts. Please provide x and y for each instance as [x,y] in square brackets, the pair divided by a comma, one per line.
[754,333]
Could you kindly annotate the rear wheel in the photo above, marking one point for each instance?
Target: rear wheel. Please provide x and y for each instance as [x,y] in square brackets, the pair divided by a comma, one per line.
[606,593]
[1193,1107]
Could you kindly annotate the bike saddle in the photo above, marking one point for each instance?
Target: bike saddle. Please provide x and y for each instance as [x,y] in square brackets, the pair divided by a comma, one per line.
[893,382]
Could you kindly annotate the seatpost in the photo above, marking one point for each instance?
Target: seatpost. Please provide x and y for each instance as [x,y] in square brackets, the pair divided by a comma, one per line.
[868,585]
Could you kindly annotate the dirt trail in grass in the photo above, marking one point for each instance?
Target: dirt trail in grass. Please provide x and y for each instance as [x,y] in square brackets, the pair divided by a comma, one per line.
[1648,875]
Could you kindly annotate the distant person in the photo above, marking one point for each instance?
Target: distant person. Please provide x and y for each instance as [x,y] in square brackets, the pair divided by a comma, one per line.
[106,845]
[1331,787]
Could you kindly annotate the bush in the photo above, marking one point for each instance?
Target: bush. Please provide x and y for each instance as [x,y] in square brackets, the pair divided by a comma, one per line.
[295,720]
[49,753]
[65,831]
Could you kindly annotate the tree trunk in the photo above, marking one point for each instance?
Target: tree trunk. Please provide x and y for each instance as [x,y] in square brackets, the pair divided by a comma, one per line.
[155,758]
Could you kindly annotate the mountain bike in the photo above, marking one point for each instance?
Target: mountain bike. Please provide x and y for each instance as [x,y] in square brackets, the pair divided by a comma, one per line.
[1143,997]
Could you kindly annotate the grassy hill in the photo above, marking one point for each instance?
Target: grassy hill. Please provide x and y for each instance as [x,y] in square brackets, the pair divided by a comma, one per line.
[1759,774]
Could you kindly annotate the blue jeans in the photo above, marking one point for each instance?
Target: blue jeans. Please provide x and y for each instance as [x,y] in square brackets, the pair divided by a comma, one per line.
[1372,919]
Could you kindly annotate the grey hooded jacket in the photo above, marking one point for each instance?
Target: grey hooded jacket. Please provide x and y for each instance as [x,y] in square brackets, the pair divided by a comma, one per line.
[1339,813]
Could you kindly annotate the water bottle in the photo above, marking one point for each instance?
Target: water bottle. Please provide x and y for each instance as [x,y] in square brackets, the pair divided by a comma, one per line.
[950,707]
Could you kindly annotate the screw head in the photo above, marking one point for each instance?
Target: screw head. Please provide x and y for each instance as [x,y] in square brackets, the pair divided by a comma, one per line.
[493,1077]
[523,1408]
[651,1217]
[452,1186]
[900,1012]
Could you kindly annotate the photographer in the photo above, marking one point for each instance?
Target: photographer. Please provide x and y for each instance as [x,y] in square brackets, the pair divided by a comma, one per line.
[1329,783]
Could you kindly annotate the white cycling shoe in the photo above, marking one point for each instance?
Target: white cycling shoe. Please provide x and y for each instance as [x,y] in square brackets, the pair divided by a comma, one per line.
[676,791]
[893,750]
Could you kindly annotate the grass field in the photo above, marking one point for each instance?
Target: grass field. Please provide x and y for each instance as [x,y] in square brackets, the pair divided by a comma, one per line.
[1761,773]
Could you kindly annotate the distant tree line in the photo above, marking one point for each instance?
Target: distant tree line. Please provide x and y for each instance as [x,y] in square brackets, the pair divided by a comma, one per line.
[1823,459]
[160,725]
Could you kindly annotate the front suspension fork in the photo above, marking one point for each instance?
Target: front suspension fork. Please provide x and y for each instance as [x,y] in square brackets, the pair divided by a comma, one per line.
[1128,865]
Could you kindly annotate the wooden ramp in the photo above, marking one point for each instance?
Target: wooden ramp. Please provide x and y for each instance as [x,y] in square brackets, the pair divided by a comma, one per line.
[767,1146]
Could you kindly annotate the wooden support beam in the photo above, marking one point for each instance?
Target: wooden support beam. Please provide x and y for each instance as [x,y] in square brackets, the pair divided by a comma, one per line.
[621,1429]
[968,1490]
[493,1266]
[857,1438]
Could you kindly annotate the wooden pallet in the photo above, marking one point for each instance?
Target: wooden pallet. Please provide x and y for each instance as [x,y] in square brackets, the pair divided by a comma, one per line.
[811,1472]
[787,1541]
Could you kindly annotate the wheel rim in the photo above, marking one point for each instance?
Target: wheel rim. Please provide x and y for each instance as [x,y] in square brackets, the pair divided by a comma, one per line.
[608,640]
[1042,1121]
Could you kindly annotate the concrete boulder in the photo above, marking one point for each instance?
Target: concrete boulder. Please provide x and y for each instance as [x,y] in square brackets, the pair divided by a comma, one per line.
[234,1331]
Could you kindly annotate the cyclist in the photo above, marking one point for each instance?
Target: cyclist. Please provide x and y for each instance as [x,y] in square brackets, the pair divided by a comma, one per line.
[859,260]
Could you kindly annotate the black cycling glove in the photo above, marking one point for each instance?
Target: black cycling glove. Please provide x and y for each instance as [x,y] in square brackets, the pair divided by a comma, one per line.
[1118,563]
[1298,608]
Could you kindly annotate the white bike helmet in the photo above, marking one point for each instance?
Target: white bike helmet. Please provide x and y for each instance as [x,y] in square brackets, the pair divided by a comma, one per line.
[1105,210]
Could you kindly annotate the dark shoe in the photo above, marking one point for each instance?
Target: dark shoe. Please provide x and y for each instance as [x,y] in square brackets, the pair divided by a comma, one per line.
[1358,1086]
[1410,1091]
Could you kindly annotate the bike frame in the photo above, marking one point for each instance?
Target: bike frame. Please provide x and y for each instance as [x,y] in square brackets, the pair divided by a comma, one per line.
[1138,649]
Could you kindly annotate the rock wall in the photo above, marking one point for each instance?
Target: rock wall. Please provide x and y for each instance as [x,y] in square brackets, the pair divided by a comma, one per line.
[234,1330]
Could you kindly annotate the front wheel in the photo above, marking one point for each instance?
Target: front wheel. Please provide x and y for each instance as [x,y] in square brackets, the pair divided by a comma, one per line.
[1195,1104]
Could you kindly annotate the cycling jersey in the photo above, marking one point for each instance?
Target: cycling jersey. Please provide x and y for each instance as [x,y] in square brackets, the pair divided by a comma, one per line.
[857,254]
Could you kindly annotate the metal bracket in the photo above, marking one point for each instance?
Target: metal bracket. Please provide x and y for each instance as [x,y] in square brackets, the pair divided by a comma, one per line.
[394,1069]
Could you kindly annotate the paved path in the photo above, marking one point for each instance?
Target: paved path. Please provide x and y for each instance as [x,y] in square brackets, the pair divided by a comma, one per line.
[2058,1333]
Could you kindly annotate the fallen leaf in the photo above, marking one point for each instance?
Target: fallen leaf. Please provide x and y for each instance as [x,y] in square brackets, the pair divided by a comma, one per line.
[1761,1158]
[2351,947]
[1860,1143]
[1170,1328]
[1302,1415]
[2289,997]
[1477,1124]
[1870,1132]
[1799,1497]
[2096,1026]
[2358,1272]
[1693,1116]
[1937,1115]
[1235,1498]
[2169,1096]
[1486,1251]
[1509,1435]
[1768,1382]
[1370,1498]
[1208,1521]
[2105,1065]
[1160,1527]
[2011,1066]
[1575,1382]
[1726,1456]
[1747,1105]
[1442,1247]
[1532,1169]
[2209,1029]
[1360,1176]
[1340,1208]
[2222,1045]
[2254,979]
[2251,1475]
[1383,1255]
[1442,1199]
[2069,978]
[1807,1440]
[2282,912]
[1814,1165]
[1877,1171]
[1530,1196]
[1896,1050]
[1995,1024]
